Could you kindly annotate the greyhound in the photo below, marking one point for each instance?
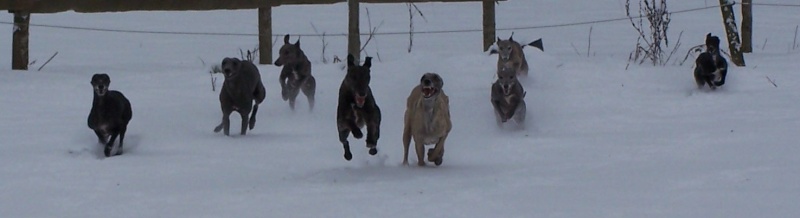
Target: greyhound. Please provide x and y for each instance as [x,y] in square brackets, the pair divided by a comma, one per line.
[357,107]
[111,112]
[296,73]
[427,119]
[242,86]
[508,97]
[711,68]
[510,54]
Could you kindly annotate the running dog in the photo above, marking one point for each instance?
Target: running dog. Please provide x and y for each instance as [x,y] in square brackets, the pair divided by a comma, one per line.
[111,112]
[357,107]
[427,119]
[711,68]
[510,54]
[508,98]
[242,86]
[296,73]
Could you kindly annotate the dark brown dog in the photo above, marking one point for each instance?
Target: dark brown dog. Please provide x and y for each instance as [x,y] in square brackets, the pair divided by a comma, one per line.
[357,107]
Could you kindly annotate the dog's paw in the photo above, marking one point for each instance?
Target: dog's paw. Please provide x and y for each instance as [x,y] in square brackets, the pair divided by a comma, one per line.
[438,161]
[218,128]
[107,150]
[348,156]
[119,152]
[373,151]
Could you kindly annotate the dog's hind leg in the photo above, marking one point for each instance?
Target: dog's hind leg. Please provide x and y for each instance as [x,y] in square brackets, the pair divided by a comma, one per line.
[520,114]
[122,131]
[374,132]
[406,138]
[309,89]
[252,122]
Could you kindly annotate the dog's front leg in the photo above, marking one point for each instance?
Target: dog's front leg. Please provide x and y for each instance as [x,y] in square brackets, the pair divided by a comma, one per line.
[344,131]
[110,144]
[436,154]
[406,137]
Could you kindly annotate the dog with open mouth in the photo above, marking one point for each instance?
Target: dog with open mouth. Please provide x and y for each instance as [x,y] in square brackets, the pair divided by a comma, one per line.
[357,107]
[427,119]
[508,98]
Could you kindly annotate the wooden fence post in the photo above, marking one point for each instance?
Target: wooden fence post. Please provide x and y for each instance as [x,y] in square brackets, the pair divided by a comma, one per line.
[747,26]
[265,35]
[353,33]
[489,34]
[19,44]
[729,20]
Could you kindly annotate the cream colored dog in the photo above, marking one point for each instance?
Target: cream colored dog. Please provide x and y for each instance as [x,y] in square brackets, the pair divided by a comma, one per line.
[427,119]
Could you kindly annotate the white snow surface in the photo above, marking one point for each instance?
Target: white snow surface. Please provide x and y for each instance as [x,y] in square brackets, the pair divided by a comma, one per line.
[601,141]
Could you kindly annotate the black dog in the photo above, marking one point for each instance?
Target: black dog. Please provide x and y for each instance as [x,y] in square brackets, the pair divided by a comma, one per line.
[357,107]
[296,73]
[110,114]
[711,68]
[242,86]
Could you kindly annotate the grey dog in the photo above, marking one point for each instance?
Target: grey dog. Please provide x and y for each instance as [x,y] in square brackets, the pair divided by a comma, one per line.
[508,97]
[242,86]
[296,73]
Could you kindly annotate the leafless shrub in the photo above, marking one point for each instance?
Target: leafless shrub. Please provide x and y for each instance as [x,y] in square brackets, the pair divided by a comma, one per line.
[652,38]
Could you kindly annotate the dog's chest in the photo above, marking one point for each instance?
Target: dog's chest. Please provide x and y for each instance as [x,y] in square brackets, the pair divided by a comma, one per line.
[295,75]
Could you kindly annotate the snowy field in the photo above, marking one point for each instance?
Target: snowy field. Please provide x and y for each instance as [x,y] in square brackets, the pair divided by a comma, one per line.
[602,141]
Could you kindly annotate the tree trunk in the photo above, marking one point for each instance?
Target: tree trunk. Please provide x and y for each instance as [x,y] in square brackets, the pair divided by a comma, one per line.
[747,26]
[729,20]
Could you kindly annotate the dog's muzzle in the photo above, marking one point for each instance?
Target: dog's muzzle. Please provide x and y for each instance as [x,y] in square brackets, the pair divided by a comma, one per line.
[101,90]
[428,91]
[360,100]
[506,89]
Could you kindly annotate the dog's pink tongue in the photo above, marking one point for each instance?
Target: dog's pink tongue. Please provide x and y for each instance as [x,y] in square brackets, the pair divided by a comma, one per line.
[360,100]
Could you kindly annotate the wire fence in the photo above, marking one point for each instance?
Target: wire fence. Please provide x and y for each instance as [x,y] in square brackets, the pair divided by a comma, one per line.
[395,32]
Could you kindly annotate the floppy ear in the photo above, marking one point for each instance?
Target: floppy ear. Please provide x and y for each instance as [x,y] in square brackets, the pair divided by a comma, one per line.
[350,60]
[368,62]
[286,39]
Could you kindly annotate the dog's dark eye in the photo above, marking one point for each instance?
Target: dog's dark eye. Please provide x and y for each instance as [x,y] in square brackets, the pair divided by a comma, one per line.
[512,77]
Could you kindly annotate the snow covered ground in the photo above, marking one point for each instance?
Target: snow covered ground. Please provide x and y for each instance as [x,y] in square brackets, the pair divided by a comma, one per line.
[602,141]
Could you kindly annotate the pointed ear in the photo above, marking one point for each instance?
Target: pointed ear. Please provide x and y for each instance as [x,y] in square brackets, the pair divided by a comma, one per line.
[350,60]
[511,38]
[297,44]
[708,35]
[498,39]
[286,39]
[368,62]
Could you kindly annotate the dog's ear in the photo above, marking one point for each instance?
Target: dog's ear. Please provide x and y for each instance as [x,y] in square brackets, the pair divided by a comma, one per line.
[297,44]
[367,62]
[498,40]
[350,60]
[286,39]
[708,35]
[511,38]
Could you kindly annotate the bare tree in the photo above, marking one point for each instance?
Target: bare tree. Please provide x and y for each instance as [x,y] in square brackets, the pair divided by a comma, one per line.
[653,36]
